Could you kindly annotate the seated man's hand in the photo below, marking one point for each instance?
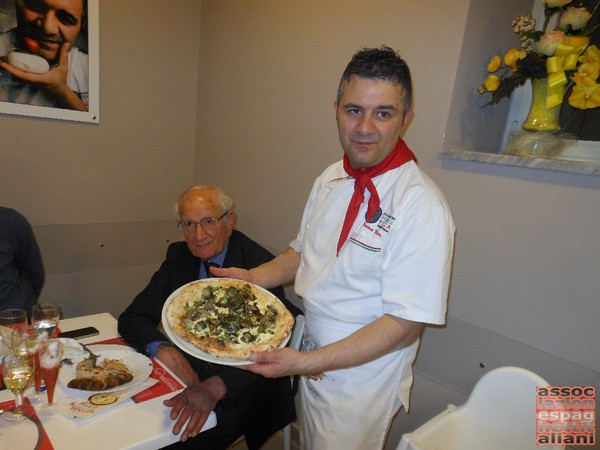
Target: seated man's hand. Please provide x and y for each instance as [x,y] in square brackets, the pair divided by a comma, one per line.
[178,364]
[194,404]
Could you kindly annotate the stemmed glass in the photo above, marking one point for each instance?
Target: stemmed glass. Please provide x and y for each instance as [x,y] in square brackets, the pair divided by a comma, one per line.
[17,372]
[50,355]
[9,319]
[26,340]
[45,317]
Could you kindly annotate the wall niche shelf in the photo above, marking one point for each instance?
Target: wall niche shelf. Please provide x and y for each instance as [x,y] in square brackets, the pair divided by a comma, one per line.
[479,134]
[582,167]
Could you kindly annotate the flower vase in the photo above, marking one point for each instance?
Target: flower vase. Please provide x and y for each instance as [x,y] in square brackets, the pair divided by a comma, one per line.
[540,139]
[541,118]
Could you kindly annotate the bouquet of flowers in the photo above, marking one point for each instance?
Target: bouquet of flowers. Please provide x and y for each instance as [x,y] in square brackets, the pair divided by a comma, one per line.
[562,54]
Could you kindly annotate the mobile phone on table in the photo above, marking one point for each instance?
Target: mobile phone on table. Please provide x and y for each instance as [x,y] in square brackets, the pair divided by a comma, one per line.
[80,333]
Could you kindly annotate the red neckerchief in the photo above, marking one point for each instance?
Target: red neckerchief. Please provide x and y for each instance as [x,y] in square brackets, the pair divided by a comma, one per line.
[363,179]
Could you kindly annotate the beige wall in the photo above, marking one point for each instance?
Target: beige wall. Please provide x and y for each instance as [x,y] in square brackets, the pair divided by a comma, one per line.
[525,288]
[527,243]
[100,196]
[269,74]
[254,114]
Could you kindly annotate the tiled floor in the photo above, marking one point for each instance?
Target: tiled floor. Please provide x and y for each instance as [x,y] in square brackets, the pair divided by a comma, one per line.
[275,443]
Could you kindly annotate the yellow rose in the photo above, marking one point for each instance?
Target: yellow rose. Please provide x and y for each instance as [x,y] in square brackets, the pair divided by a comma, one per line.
[494,64]
[550,41]
[585,96]
[491,83]
[578,41]
[587,73]
[576,17]
[512,56]
[556,3]
[592,54]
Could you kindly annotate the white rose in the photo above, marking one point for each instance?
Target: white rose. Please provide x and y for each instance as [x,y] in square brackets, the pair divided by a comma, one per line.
[576,17]
[549,42]
[556,3]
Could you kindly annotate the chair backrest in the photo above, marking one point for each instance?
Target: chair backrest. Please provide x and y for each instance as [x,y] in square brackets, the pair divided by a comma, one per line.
[295,342]
[499,414]
[503,404]
[506,390]
[297,332]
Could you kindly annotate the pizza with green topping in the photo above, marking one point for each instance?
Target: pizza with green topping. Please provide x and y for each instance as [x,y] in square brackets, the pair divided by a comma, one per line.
[229,318]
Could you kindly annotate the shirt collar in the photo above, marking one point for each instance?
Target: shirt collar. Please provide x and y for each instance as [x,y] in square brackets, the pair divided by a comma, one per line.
[218,259]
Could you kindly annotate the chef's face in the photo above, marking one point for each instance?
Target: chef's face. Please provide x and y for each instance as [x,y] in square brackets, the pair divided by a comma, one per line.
[50,23]
[371,117]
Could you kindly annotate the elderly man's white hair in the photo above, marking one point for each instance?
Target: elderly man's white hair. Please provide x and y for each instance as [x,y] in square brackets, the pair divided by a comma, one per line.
[225,200]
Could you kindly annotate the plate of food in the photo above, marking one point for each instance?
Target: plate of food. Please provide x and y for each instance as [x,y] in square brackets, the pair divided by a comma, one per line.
[225,320]
[113,369]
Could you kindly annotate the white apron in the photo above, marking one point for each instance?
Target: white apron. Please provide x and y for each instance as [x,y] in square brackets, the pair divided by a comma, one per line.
[398,265]
[350,408]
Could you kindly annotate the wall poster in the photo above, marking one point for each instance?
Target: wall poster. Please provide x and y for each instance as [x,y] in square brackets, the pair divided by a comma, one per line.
[49,53]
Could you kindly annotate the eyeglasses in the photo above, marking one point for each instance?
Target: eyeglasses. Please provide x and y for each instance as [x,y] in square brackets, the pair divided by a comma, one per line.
[207,224]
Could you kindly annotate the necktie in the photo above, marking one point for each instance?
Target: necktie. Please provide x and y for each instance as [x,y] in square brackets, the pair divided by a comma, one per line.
[363,179]
[207,265]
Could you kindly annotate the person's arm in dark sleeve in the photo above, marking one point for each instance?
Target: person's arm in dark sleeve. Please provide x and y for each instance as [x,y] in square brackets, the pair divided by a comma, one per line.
[138,323]
[237,381]
[28,257]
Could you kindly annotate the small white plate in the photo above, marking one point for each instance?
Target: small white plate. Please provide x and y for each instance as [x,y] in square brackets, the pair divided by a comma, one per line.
[139,365]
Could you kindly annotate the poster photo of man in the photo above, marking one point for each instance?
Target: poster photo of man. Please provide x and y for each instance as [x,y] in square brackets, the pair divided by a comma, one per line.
[46,59]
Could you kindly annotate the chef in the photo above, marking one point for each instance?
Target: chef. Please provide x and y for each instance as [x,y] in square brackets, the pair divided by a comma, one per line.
[371,262]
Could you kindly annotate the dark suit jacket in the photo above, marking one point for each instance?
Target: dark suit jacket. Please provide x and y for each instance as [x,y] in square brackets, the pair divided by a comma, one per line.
[263,406]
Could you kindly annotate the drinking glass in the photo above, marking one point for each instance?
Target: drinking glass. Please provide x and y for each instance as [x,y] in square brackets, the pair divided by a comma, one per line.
[17,373]
[45,317]
[26,340]
[9,319]
[50,355]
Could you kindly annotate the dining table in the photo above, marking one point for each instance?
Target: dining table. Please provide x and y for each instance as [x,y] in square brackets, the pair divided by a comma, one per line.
[136,420]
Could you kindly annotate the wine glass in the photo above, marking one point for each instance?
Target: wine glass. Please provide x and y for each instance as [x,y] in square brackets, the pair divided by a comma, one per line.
[26,340]
[50,355]
[45,317]
[9,319]
[17,373]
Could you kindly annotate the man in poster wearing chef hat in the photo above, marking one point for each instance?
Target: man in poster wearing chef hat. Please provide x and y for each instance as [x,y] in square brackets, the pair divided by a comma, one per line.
[371,262]
[39,63]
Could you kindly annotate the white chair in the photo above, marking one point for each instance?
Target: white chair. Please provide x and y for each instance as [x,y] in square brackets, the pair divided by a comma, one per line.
[500,414]
[295,342]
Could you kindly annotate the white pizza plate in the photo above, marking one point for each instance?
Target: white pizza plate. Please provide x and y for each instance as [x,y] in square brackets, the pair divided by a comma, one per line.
[139,365]
[194,351]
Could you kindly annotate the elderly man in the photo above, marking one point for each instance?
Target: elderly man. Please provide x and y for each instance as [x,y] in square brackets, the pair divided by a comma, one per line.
[48,29]
[245,403]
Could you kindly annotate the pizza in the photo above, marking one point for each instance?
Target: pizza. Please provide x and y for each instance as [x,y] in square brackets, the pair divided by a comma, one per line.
[229,318]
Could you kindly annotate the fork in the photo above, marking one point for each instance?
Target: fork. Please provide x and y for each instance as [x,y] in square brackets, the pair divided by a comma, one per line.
[91,353]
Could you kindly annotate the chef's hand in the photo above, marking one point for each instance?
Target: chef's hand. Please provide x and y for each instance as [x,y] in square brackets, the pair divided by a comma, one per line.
[283,362]
[53,82]
[232,272]
[193,406]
